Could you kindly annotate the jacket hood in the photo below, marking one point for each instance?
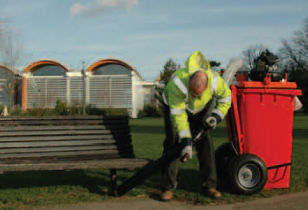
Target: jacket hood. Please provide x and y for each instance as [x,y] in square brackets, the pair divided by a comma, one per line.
[196,61]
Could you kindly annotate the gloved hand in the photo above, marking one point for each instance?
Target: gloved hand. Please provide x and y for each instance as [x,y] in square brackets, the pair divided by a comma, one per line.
[212,121]
[187,150]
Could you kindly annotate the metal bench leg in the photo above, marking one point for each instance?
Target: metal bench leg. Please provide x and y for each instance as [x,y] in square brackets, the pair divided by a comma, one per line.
[113,181]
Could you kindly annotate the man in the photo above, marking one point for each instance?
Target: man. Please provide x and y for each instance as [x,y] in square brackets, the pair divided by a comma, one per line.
[186,97]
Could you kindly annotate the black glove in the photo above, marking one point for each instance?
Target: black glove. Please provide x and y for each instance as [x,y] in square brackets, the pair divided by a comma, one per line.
[187,150]
[212,121]
[187,141]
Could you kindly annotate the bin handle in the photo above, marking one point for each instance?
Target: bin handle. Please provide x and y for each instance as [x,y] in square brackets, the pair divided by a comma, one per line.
[237,119]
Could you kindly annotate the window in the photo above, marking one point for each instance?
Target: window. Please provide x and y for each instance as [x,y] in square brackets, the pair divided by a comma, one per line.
[49,70]
[111,69]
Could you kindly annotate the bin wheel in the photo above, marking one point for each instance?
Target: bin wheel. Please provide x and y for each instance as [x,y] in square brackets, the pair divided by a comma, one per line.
[223,155]
[247,174]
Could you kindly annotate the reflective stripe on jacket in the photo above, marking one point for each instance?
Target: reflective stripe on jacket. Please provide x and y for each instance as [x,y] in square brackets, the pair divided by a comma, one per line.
[180,100]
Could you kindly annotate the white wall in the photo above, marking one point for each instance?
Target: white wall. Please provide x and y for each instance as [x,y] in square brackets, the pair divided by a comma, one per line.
[137,95]
[69,89]
[142,94]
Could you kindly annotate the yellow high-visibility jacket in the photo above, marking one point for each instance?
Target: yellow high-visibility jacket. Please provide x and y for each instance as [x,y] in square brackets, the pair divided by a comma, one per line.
[177,95]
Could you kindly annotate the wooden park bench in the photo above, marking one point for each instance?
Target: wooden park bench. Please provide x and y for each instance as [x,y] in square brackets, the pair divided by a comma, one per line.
[66,143]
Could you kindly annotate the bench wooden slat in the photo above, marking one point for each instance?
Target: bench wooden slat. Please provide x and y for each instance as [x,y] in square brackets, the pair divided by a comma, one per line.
[61,132]
[57,122]
[49,143]
[63,117]
[118,163]
[65,120]
[56,149]
[63,127]
[104,137]
[36,160]
[60,154]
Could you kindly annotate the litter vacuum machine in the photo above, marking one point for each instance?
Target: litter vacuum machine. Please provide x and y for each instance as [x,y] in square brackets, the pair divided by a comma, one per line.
[260,124]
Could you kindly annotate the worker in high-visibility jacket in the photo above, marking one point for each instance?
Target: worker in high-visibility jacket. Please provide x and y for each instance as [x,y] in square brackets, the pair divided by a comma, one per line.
[186,98]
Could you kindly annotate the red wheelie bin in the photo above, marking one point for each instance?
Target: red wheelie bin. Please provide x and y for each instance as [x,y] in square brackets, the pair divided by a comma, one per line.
[260,124]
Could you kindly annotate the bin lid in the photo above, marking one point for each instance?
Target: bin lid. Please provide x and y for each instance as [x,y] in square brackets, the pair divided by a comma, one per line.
[277,91]
[275,85]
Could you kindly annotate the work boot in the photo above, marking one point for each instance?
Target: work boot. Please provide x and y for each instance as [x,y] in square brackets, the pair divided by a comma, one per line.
[212,193]
[166,195]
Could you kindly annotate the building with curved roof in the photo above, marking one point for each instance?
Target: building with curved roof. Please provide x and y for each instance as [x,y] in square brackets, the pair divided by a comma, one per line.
[43,83]
[112,84]
[106,83]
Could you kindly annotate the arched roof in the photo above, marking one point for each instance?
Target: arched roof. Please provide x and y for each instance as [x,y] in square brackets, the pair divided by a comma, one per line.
[8,69]
[103,62]
[35,65]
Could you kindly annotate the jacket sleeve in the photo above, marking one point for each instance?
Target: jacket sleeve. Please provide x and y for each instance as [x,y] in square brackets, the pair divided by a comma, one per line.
[176,101]
[223,95]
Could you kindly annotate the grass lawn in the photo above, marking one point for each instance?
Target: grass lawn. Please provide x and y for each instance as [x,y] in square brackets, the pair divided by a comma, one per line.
[26,189]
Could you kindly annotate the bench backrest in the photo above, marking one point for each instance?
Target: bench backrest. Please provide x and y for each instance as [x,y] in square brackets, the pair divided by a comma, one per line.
[61,138]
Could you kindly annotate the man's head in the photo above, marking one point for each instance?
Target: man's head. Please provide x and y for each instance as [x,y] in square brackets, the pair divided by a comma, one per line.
[197,83]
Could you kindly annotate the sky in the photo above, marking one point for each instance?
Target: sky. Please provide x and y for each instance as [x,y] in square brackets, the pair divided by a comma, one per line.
[146,33]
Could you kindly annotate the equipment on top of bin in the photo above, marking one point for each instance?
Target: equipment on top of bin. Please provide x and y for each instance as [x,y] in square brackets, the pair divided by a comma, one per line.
[258,154]
[266,63]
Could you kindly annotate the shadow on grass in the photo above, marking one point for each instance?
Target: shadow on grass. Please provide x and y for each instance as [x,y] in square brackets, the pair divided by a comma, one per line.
[150,129]
[97,180]
[188,181]
[91,180]
[300,133]
[220,132]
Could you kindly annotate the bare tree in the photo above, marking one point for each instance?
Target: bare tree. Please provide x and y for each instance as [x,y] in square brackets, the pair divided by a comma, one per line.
[294,58]
[8,85]
[11,50]
[1,32]
[294,53]
[251,54]
[11,53]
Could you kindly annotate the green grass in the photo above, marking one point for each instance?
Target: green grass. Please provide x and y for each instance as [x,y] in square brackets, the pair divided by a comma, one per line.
[25,189]
[188,186]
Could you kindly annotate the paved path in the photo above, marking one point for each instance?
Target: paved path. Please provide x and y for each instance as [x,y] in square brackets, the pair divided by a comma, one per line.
[292,201]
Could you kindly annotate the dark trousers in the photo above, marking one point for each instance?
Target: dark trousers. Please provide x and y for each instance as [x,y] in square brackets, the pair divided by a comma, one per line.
[204,148]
